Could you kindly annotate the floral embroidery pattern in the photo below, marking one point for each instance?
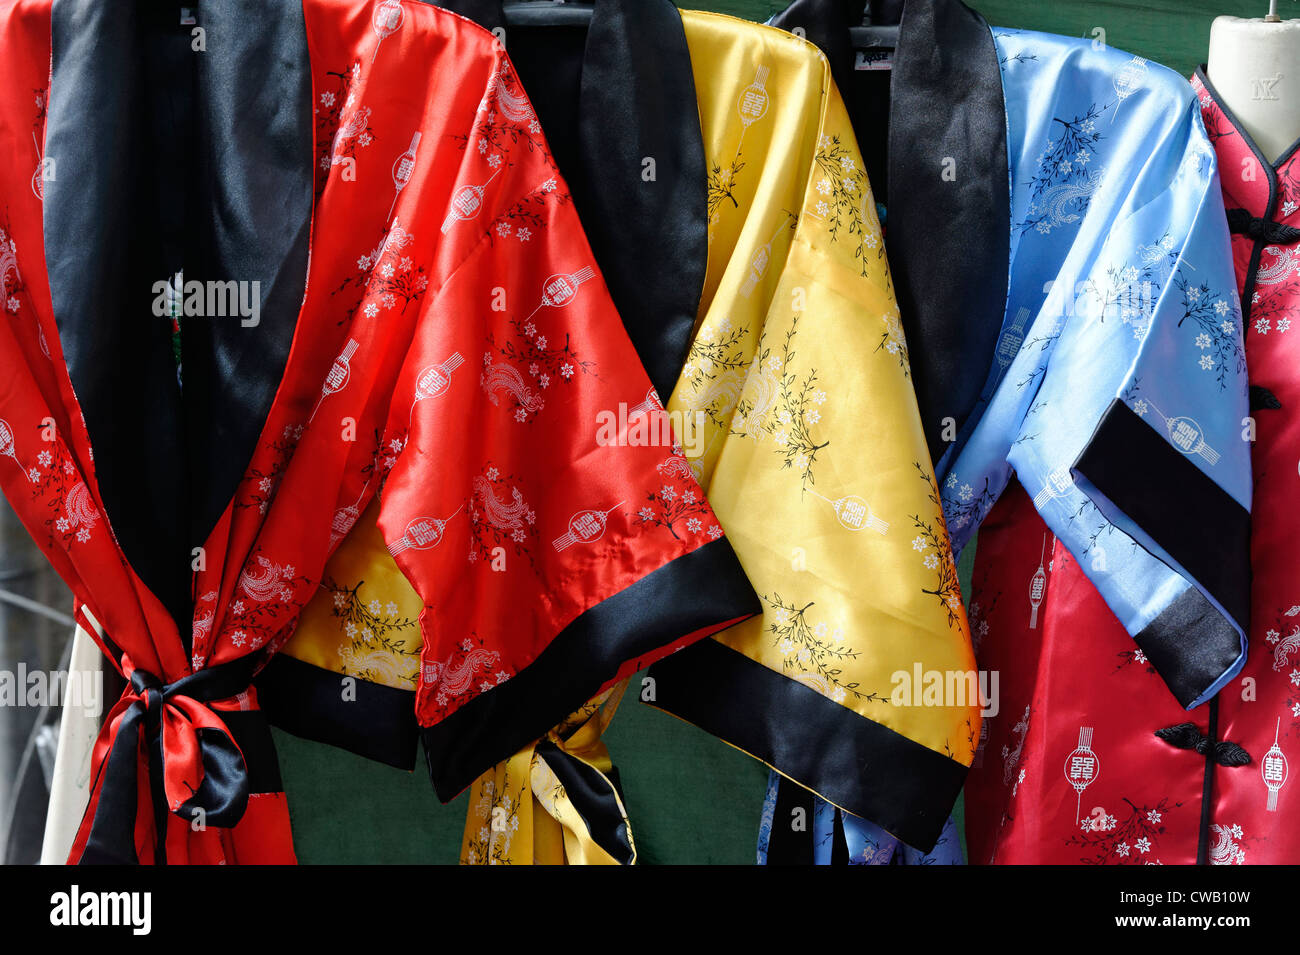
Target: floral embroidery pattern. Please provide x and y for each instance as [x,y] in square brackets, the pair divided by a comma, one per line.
[814,652]
[962,507]
[1011,754]
[715,368]
[267,595]
[385,277]
[721,187]
[844,193]
[547,363]
[671,505]
[525,218]
[1107,840]
[490,845]
[1226,849]
[1063,184]
[71,512]
[337,140]
[505,120]
[258,487]
[780,403]
[376,650]
[933,545]
[11,282]
[1217,339]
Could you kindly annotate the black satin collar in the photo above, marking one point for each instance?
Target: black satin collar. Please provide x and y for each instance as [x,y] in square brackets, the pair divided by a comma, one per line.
[168,159]
[610,99]
[947,103]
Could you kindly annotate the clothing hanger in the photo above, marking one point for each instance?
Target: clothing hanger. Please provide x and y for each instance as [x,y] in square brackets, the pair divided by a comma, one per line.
[879,29]
[547,13]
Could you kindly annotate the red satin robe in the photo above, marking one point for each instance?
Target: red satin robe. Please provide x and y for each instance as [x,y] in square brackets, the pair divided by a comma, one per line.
[450,351]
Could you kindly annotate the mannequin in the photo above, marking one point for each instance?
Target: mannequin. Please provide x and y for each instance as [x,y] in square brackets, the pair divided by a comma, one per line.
[1255,66]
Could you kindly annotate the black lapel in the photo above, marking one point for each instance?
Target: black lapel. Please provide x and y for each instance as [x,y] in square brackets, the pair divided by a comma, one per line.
[109,235]
[948,238]
[172,158]
[638,103]
[609,99]
[253,196]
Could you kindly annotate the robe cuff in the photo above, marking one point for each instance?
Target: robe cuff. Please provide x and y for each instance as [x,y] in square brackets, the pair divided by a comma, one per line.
[687,599]
[1193,646]
[850,761]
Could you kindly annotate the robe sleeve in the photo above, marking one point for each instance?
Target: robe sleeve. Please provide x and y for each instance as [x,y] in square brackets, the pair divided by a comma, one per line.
[538,503]
[1135,445]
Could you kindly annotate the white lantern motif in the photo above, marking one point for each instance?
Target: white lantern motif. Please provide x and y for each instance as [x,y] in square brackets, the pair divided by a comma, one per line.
[754,101]
[1273,767]
[1037,586]
[1012,337]
[338,376]
[466,203]
[422,534]
[651,404]
[1082,767]
[7,446]
[855,513]
[1186,435]
[386,20]
[560,290]
[585,527]
[345,518]
[1059,483]
[435,380]
[402,169]
[760,261]
[1128,81]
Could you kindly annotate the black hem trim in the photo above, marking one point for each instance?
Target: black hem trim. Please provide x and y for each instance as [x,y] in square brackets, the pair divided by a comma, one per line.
[252,734]
[701,592]
[860,766]
[307,701]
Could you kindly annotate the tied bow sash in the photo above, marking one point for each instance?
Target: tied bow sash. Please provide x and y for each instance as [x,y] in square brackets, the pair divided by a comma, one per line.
[1242,222]
[171,737]
[554,802]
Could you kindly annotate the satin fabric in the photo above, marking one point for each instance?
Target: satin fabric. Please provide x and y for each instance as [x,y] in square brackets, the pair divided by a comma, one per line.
[371,399]
[522,813]
[1149,801]
[813,455]
[361,628]
[822,522]
[1119,382]
[1111,288]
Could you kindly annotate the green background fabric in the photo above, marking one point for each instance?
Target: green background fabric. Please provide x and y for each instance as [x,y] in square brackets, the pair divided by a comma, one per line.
[691,798]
